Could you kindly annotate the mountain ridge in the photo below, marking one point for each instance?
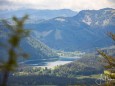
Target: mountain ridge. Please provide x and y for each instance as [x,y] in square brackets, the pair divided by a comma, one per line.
[80,32]
[34,48]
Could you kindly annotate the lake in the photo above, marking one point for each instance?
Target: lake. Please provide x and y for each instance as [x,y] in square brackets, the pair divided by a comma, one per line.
[50,64]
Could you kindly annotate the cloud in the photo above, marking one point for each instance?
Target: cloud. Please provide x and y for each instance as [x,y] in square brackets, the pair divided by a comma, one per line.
[57,4]
[112,1]
[4,2]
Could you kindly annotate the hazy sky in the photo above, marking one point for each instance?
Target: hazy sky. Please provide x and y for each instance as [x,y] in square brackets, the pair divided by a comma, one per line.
[57,4]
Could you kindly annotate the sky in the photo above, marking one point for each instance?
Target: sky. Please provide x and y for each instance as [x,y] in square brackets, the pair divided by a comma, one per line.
[56,4]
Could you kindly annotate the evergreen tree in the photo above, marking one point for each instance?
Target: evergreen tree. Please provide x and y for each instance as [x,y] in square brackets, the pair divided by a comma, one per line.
[15,33]
[110,64]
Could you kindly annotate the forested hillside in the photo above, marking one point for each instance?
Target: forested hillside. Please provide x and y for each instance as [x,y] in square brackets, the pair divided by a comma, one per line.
[70,74]
[83,32]
[35,48]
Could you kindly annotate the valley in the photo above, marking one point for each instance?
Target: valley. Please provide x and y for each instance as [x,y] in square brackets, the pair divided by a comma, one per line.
[62,46]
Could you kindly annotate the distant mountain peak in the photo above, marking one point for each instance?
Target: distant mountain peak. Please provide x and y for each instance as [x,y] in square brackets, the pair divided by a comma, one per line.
[38,14]
[107,9]
[102,17]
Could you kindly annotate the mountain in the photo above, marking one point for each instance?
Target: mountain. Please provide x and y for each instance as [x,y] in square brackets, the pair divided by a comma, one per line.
[99,18]
[36,49]
[84,31]
[37,15]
